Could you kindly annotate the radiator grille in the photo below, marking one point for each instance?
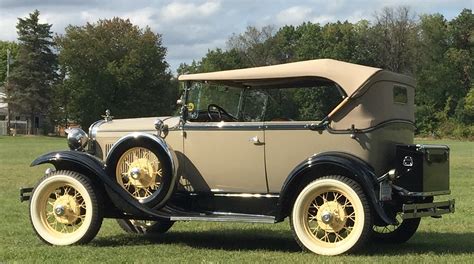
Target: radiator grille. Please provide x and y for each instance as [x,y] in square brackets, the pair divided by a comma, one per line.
[107,149]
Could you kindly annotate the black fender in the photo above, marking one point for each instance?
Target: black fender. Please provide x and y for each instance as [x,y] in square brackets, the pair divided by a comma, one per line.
[324,164]
[95,169]
[154,143]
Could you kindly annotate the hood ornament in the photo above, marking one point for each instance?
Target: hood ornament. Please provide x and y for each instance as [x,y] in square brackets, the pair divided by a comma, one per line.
[107,117]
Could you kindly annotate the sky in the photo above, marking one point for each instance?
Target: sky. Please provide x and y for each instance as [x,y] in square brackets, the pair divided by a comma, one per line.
[191,28]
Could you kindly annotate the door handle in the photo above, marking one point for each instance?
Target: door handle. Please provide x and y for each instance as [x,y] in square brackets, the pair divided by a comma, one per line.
[255,140]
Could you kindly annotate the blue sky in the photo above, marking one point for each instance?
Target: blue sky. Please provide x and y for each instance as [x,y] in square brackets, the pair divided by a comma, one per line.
[190,28]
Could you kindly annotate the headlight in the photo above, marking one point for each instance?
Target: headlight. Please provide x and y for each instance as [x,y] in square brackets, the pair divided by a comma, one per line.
[77,139]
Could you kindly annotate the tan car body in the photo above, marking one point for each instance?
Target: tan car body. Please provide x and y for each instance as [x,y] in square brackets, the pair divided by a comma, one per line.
[221,157]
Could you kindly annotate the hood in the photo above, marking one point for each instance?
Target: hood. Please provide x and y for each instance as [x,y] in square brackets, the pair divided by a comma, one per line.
[137,124]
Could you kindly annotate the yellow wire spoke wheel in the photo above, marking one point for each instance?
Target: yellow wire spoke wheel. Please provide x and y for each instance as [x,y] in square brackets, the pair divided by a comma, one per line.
[331,216]
[139,171]
[64,209]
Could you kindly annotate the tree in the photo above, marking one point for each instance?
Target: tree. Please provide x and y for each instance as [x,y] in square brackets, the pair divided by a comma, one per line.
[394,38]
[33,73]
[437,52]
[113,64]
[5,47]
[254,45]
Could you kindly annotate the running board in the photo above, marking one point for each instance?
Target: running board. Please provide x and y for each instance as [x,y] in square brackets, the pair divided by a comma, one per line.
[227,218]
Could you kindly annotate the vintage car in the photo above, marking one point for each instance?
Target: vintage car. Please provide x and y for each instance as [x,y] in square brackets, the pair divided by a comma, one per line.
[326,143]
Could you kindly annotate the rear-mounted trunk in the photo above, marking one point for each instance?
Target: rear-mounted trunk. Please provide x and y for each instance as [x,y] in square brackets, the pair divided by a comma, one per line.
[423,170]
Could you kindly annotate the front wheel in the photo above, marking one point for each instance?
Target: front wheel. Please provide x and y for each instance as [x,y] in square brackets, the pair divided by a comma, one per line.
[144,227]
[398,233]
[331,216]
[65,209]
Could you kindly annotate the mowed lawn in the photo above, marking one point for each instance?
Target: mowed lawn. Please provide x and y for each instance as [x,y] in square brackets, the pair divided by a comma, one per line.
[447,240]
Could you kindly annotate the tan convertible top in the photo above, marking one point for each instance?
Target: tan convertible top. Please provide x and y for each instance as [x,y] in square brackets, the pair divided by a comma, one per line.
[348,76]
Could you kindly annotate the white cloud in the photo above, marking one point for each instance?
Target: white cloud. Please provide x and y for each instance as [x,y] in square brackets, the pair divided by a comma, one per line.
[191,27]
[141,17]
[176,11]
[294,15]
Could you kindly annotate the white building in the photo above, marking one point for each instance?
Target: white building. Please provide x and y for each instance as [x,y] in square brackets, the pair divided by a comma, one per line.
[3,113]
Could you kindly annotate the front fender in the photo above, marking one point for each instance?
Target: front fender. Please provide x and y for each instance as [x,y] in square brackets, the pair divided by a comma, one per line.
[95,169]
[321,164]
[152,139]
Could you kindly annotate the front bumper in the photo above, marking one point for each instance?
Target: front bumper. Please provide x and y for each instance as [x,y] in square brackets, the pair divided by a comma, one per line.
[435,209]
[25,193]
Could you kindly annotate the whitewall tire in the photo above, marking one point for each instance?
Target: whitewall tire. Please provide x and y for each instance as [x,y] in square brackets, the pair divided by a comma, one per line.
[65,209]
[331,216]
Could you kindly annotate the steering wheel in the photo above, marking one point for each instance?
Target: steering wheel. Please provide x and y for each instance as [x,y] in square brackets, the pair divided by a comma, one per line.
[220,111]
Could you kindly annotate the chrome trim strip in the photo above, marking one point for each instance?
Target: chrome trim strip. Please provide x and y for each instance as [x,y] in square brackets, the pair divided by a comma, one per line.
[150,131]
[222,126]
[370,129]
[288,126]
[247,195]
[227,218]
[94,127]
[423,194]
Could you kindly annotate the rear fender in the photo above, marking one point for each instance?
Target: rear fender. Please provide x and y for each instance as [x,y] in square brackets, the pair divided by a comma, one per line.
[328,163]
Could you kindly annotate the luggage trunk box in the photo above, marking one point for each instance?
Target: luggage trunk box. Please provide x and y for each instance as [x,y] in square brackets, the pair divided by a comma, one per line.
[423,169]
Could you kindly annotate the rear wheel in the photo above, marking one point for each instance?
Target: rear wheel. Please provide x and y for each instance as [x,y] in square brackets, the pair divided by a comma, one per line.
[331,216]
[65,209]
[398,233]
[144,226]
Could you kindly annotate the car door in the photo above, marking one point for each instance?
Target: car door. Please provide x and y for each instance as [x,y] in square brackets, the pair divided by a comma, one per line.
[289,140]
[225,156]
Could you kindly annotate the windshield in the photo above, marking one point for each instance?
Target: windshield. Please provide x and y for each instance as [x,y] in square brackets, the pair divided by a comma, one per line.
[202,95]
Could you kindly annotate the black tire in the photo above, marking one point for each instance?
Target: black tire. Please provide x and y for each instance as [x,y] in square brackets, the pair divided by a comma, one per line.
[344,207]
[144,227]
[158,197]
[65,208]
[396,234]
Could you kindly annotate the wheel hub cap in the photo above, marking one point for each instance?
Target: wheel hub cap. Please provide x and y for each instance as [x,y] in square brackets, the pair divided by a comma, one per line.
[326,217]
[59,210]
[331,216]
[141,173]
[66,209]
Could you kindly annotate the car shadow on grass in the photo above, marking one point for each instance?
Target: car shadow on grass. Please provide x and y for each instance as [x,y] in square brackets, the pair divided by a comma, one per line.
[282,241]
[227,239]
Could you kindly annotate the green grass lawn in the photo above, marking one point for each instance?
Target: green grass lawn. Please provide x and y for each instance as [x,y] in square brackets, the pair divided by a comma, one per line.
[447,240]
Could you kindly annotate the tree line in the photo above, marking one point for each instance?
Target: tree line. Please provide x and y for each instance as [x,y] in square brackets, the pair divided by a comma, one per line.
[438,53]
[113,64]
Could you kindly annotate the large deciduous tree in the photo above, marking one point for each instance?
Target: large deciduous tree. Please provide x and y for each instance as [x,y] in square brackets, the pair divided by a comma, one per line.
[34,71]
[113,64]
[394,38]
